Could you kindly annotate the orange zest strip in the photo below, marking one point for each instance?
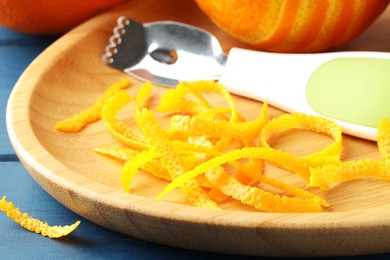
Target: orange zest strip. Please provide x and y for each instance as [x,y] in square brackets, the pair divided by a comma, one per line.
[214,112]
[169,157]
[33,224]
[384,139]
[295,191]
[193,125]
[190,148]
[259,198]
[118,152]
[249,171]
[217,195]
[77,122]
[142,95]
[286,160]
[148,124]
[285,122]
[174,100]
[198,148]
[132,166]
[118,128]
[125,154]
[214,87]
[349,170]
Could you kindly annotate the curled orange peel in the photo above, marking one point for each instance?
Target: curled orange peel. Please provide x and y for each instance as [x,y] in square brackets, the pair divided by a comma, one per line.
[349,170]
[314,123]
[356,169]
[35,225]
[194,125]
[194,151]
[289,162]
[330,154]
[92,114]
[384,139]
[126,154]
[259,198]
[119,129]
[176,100]
[132,166]
[158,138]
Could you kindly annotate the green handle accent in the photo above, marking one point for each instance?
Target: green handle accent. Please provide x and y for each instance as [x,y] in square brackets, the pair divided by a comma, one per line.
[355,90]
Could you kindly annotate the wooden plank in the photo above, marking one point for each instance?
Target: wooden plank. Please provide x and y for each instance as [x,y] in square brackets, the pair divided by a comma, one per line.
[17,50]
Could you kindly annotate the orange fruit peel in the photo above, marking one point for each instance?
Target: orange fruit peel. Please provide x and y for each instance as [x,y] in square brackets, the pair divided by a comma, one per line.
[349,170]
[126,154]
[177,100]
[329,155]
[293,26]
[259,198]
[132,166]
[356,169]
[35,225]
[195,125]
[93,113]
[159,140]
[119,129]
[313,123]
[175,165]
[384,139]
[289,162]
[209,153]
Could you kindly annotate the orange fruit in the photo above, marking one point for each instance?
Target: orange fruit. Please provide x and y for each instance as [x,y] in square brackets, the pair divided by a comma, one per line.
[293,25]
[49,16]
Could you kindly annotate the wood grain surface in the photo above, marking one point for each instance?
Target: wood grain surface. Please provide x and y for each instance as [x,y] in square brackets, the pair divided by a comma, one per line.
[69,76]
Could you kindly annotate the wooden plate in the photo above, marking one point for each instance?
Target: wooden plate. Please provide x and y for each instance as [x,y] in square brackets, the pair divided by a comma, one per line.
[69,76]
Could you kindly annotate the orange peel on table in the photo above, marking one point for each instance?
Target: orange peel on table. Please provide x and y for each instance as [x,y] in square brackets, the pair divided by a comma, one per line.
[191,153]
[33,224]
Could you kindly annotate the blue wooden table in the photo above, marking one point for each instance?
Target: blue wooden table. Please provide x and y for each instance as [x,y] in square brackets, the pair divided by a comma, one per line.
[88,241]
